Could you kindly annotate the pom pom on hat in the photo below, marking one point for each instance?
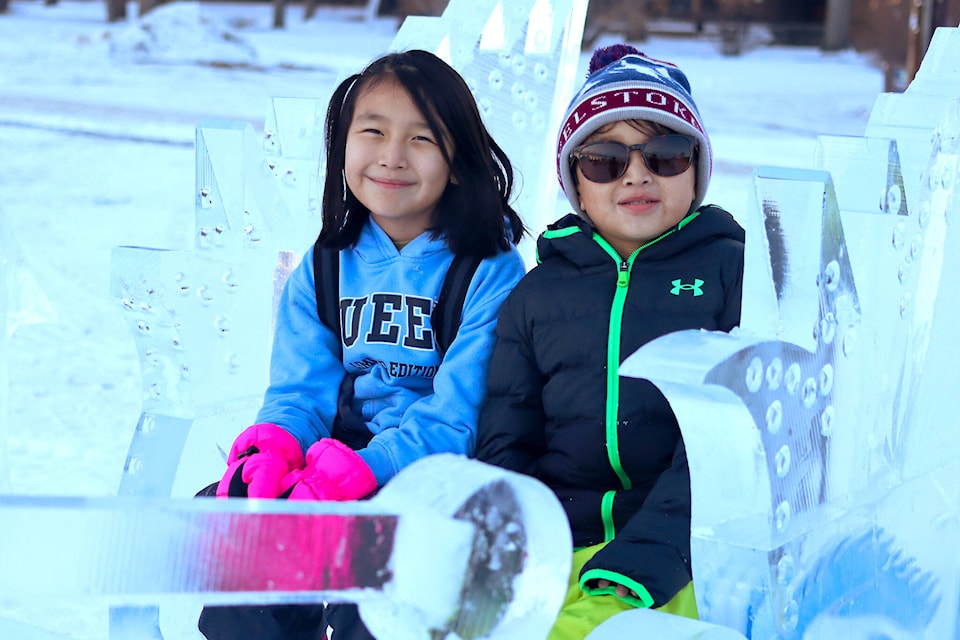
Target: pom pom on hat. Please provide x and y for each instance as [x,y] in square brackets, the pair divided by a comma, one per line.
[625,84]
[605,55]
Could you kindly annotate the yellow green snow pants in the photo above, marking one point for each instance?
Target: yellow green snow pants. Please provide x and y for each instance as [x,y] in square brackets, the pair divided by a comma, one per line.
[581,613]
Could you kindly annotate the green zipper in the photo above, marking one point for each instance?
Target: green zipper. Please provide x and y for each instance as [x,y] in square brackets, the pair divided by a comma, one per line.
[613,357]
[624,268]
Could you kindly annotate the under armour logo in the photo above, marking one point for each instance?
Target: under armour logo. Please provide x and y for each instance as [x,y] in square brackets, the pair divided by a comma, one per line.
[696,287]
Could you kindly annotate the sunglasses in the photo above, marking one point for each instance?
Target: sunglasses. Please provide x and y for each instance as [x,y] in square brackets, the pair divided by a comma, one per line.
[666,156]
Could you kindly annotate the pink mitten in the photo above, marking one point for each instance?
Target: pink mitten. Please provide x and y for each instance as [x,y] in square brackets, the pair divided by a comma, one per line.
[259,461]
[334,471]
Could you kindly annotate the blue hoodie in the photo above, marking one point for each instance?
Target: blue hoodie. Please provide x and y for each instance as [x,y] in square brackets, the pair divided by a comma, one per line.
[414,400]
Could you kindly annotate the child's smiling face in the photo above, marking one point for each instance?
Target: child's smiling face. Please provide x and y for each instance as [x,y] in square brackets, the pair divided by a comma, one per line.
[640,205]
[393,163]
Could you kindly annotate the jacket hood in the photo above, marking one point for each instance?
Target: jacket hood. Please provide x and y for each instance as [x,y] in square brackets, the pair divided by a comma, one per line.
[571,238]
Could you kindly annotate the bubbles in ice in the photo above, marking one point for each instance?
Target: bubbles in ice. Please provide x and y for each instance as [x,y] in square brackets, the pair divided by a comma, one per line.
[270,143]
[849,342]
[893,199]
[222,325]
[183,283]
[826,421]
[792,378]
[828,327]
[905,305]
[782,516]
[809,392]
[786,569]
[206,200]
[791,615]
[831,275]
[252,234]
[229,280]
[782,461]
[205,295]
[147,425]
[898,236]
[289,178]
[775,374]
[204,238]
[134,465]
[774,416]
[754,375]
[540,72]
[826,379]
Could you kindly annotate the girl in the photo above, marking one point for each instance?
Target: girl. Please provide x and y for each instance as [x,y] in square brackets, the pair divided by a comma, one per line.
[640,258]
[412,178]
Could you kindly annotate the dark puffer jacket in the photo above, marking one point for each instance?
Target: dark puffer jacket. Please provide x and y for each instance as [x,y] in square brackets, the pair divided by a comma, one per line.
[609,447]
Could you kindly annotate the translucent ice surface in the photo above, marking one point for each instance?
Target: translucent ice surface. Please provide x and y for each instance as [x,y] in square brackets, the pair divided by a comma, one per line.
[822,434]
[519,59]
[499,571]
[6,278]
[21,302]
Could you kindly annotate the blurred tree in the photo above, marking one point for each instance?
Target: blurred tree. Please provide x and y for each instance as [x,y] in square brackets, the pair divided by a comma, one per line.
[117,9]
[146,6]
[628,19]
[836,27]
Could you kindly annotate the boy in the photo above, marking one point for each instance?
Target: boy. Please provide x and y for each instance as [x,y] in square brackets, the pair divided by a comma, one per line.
[639,259]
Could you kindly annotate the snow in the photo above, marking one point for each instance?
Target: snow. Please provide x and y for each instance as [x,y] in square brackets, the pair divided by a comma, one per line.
[96,150]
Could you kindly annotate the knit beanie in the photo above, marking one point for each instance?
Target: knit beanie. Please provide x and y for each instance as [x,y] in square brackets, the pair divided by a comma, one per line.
[624,84]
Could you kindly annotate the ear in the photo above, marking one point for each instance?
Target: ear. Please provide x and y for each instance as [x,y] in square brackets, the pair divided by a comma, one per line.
[453,179]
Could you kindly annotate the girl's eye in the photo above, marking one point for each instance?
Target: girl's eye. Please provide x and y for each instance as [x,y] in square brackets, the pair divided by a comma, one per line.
[376,132]
[423,139]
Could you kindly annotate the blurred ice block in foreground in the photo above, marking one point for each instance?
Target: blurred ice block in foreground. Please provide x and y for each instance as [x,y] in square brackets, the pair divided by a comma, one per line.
[499,572]
[655,624]
[821,435]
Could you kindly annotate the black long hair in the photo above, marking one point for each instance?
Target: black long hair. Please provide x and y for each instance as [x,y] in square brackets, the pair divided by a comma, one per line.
[474,213]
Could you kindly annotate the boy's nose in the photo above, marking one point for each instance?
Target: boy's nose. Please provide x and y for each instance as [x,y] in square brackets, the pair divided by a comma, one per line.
[637,170]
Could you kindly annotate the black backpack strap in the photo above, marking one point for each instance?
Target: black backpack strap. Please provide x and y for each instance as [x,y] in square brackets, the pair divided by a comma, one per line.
[446,315]
[326,280]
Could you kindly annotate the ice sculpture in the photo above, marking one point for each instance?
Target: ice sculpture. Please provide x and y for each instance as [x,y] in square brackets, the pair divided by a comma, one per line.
[6,279]
[500,571]
[519,59]
[656,624]
[21,302]
[821,435]
[202,319]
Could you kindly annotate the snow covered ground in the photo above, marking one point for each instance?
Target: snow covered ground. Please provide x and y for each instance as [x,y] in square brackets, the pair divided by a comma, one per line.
[96,150]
